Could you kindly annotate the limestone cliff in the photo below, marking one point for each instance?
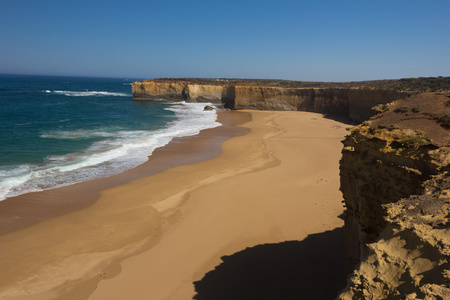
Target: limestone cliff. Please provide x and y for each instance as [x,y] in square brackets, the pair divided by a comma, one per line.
[151,89]
[352,102]
[205,93]
[394,179]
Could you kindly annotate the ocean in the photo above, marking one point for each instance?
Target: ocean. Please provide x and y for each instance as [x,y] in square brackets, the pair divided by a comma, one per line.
[57,131]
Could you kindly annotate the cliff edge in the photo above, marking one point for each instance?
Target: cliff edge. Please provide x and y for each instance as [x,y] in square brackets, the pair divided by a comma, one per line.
[351,101]
[394,179]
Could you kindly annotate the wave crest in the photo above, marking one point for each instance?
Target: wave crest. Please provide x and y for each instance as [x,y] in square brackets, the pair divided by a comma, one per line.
[76,134]
[88,93]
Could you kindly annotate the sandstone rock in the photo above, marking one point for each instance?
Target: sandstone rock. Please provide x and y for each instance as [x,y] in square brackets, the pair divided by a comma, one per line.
[394,179]
[151,90]
[205,93]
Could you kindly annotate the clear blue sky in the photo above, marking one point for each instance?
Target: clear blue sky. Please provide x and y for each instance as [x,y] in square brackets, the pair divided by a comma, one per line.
[320,40]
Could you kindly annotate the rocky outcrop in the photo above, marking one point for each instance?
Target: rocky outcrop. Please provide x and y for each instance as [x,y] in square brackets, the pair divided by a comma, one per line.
[394,179]
[411,258]
[355,103]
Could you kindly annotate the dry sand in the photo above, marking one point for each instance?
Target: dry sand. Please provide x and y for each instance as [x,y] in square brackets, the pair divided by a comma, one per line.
[153,237]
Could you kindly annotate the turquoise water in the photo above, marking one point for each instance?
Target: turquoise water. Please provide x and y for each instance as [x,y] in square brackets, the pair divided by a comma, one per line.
[56,131]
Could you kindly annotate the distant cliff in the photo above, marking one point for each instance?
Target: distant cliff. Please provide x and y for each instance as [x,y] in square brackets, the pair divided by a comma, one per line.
[395,181]
[352,102]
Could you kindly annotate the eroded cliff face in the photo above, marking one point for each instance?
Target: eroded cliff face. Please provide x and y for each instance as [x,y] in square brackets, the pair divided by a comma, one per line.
[153,90]
[326,100]
[205,93]
[355,103]
[394,179]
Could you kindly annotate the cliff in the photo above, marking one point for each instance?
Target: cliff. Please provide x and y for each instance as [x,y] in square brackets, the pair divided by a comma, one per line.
[394,179]
[352,102]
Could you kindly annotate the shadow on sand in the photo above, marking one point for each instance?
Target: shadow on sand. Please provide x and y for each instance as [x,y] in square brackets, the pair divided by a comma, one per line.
[315,268]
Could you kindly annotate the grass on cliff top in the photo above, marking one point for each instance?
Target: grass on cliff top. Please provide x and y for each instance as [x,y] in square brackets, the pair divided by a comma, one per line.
[421,84]
[415,142]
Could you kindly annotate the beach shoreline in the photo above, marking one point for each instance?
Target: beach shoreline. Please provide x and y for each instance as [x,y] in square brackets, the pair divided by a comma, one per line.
[157,235]
[31,208]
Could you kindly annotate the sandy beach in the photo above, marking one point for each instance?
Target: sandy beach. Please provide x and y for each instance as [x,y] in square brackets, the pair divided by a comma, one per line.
[260,215]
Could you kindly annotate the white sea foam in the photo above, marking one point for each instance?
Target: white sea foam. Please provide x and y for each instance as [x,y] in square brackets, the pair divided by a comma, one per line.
[12,181]
[88,93]
[76,134]
[120,151]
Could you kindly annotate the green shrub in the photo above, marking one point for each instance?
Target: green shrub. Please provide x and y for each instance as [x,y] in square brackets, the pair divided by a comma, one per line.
[415,141]
[443,120]
[402,109]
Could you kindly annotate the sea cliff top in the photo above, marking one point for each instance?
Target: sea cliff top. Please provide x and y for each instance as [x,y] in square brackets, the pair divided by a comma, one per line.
[427,113]
[420,84]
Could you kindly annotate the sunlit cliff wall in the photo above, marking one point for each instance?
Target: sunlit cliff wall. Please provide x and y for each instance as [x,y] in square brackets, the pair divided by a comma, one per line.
[354,103]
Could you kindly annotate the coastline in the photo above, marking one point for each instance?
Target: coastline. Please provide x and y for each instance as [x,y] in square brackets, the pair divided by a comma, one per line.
[31,208]
[278,182]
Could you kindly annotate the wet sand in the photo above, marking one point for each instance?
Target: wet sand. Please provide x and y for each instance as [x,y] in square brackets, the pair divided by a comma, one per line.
[25,210]
[152,234]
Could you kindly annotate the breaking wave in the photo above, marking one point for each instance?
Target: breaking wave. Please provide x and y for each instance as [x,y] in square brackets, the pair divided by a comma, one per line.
[87,93]
[118,151]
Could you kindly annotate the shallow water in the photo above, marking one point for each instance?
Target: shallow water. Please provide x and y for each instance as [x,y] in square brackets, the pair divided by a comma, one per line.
[56,131]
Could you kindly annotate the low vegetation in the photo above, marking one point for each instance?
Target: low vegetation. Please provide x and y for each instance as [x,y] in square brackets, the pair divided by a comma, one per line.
[443,120]
[416,85]
[414,142]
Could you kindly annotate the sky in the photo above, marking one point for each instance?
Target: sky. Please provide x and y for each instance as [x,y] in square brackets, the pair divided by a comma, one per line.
[312,40]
